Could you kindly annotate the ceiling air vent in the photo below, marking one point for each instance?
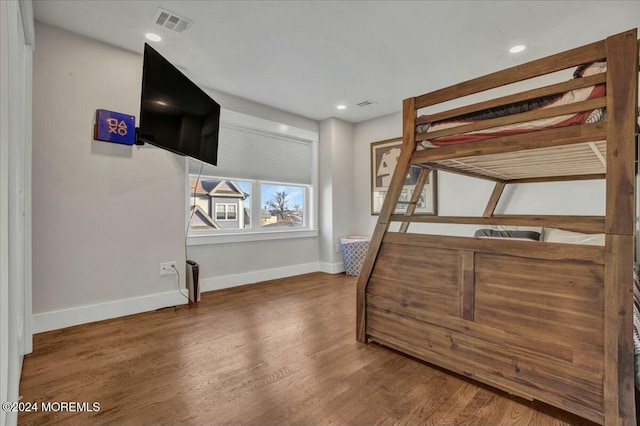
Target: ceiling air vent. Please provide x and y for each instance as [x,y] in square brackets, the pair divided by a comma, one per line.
[365,104]
[171,21]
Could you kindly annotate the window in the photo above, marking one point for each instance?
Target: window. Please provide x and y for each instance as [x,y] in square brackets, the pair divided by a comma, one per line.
[263,186]
[283,205]
[226,211]
[218,203]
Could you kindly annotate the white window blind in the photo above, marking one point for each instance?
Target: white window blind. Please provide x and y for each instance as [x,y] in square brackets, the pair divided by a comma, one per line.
[253,154]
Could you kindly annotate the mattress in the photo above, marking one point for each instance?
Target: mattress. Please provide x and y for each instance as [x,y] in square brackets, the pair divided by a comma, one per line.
[572,96]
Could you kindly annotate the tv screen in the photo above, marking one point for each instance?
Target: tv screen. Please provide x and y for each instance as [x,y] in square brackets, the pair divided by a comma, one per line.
[175,114]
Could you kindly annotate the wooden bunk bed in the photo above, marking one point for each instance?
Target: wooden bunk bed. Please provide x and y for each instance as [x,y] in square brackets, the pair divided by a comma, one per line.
[544,321]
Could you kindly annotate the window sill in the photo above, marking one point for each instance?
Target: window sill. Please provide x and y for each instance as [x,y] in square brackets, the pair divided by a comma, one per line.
[208,239]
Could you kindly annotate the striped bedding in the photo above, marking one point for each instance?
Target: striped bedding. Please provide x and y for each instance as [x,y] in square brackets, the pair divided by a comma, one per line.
[573,96]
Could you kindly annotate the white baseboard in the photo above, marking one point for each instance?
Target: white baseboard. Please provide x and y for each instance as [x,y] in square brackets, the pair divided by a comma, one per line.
[234,280]
[332,268]
[54,320]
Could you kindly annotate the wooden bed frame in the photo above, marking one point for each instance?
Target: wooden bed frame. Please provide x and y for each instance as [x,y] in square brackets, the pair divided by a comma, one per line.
[545,321]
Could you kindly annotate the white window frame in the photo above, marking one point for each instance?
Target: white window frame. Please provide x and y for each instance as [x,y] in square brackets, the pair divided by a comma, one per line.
[226,211]
[305,208]
[257,232]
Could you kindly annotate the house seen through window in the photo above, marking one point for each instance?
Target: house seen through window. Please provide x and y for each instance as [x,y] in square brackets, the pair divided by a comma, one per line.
[218,204]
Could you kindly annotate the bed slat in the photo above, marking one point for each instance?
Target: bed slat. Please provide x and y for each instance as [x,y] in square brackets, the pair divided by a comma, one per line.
[567,160]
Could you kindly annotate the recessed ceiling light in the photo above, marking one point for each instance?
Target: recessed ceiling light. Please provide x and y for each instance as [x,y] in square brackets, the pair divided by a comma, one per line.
[517,49]
[341,107]
[153,37]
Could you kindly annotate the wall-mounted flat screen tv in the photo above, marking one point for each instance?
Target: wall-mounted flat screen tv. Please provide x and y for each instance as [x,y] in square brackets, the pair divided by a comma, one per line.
[175,114]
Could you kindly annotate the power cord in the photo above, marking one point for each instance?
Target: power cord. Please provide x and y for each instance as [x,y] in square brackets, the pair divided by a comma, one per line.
[195,187]
[193,210]
[179,289]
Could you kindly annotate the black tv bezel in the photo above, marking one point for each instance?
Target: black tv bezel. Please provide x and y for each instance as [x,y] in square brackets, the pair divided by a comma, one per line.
[140,139]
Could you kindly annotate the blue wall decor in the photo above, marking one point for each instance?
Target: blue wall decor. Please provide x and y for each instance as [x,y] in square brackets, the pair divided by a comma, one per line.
[114,127]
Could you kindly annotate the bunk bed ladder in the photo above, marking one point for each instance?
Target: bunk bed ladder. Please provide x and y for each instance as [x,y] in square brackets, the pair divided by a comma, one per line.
[388,208]
[415,197]
[493,200]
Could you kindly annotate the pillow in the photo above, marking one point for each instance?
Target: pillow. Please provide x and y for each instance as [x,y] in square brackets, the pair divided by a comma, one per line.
[553,235]
[516,235]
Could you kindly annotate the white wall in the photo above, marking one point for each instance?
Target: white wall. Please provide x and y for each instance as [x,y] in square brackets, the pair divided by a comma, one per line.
[336,190]
[106,215]
[16,43]
[230,264]
[461,196]
[255,109]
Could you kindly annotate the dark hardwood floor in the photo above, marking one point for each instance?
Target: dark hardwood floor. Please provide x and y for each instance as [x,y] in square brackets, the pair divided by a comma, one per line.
[279,352]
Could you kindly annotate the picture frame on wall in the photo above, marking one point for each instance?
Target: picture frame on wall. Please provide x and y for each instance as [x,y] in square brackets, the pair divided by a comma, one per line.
[384,156]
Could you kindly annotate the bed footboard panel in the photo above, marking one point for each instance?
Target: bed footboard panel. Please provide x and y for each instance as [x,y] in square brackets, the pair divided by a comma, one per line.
[525,317]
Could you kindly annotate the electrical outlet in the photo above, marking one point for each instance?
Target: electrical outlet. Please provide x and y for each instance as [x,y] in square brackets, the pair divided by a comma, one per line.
[168,268]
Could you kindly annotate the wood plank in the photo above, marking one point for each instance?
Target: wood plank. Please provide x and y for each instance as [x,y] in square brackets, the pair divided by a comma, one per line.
[467,285]
[493,200]
[537,114]
[622,112]
[622,101]
[397,297]
[526,249]
[363,278]
[518,97]
[552,349]
[559,178]
[448,342]
[409,264]
[586,224]
[437,166]
[415,197]
[577,159]
[578,56]
[388,207]
[569,156]
[569,387]
[563,302]
[533,140]
[618,327]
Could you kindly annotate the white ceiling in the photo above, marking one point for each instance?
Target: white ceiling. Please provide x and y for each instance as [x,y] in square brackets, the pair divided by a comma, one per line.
[306,57]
